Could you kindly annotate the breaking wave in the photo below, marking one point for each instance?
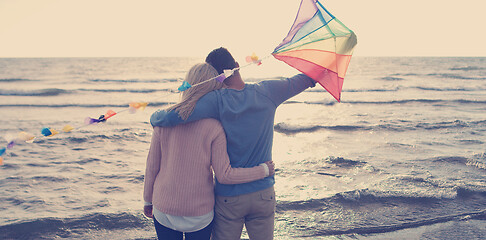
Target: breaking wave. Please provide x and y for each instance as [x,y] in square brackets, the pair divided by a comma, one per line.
[288,129]
[151,104]
[48,92]
[47,228]
[135,80]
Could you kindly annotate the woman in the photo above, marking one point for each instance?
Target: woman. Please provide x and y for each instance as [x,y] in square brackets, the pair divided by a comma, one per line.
[178,176]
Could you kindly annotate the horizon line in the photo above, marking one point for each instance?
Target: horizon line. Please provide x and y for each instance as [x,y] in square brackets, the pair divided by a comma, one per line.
[5,57]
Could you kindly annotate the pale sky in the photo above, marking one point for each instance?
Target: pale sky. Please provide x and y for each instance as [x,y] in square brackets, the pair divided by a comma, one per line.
[158,28]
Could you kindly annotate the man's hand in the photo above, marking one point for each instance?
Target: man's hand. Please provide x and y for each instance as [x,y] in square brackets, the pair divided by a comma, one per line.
[148,211]
[271,167]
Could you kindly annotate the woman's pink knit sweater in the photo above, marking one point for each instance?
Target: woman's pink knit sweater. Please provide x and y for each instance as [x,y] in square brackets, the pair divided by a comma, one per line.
[178,176]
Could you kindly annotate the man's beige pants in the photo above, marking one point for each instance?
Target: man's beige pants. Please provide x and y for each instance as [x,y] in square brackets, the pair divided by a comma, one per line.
[254,210]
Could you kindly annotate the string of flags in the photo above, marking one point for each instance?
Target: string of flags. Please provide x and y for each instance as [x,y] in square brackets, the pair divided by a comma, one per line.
[133,107]
[21,137]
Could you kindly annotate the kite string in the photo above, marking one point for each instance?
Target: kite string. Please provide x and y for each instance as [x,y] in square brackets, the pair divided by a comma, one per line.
[228,73]
[30,138]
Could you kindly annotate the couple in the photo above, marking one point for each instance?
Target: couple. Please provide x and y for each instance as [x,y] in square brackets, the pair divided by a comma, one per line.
[189,140]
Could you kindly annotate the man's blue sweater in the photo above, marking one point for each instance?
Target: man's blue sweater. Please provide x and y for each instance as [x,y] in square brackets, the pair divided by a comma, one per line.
[247,117]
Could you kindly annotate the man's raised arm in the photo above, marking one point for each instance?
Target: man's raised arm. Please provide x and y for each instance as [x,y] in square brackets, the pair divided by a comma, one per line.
[281,90]
[206,107]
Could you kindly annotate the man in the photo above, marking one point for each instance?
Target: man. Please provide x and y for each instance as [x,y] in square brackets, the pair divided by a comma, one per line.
[246,112]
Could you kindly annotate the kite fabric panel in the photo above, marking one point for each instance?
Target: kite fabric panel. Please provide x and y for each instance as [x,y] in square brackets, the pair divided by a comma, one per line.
[318,45]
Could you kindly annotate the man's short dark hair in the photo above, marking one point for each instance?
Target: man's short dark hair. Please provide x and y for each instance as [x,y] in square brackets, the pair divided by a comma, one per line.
[221,59]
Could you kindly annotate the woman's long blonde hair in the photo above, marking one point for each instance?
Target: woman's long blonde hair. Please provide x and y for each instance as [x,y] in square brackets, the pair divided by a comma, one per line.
[198,73]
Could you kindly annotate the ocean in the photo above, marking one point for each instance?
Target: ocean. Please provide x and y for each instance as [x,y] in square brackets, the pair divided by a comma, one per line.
[402,156]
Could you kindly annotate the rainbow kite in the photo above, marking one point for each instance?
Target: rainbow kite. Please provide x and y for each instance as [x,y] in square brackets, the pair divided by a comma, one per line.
[318,45]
